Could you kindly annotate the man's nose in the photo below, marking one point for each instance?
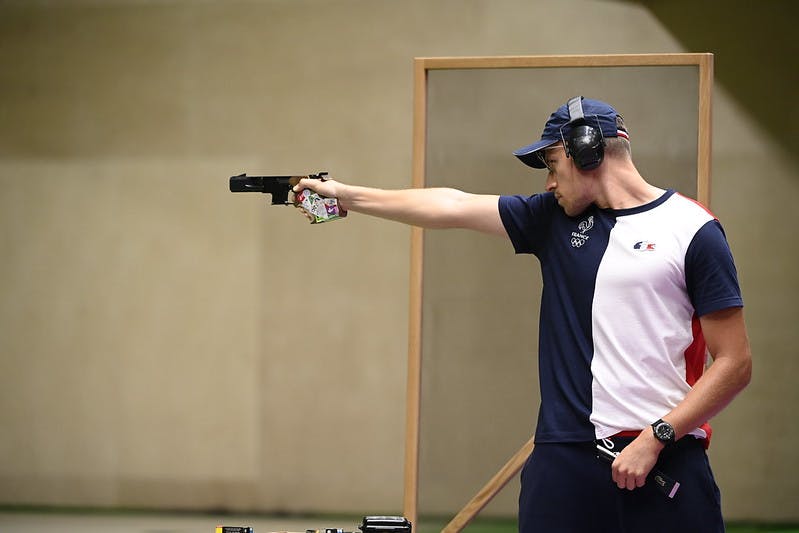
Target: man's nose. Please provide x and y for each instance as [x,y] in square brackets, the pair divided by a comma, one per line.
[550,184]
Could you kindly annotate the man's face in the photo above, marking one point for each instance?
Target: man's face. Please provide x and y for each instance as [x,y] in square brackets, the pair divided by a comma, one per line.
[572,189]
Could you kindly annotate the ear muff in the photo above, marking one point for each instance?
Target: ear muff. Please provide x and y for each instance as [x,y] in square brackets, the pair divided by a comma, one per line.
[584,143]
[586,146]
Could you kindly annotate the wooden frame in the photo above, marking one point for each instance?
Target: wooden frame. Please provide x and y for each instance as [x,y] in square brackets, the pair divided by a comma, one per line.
[422,66]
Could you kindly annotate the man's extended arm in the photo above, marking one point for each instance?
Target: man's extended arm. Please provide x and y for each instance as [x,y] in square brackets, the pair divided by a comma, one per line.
[433,208]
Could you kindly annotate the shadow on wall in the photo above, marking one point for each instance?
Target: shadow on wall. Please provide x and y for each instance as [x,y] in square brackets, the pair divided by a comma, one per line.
[756,54]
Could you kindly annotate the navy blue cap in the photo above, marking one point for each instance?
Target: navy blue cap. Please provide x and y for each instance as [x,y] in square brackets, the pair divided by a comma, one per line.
[558,126]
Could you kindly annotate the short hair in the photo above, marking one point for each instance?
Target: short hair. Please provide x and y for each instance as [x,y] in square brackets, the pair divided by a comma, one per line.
[618,146]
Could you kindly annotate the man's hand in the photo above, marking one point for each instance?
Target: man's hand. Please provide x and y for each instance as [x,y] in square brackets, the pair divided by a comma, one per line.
[324,187]
[635,461]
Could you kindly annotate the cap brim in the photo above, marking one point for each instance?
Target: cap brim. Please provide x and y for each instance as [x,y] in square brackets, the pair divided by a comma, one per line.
[529,154]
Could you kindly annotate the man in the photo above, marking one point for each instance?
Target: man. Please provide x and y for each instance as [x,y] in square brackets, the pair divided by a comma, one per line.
[639,286]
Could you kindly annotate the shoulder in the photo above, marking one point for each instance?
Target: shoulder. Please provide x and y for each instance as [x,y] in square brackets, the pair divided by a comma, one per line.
[526,218]
[538,210]
[536,203]
[521,207]
[690,211]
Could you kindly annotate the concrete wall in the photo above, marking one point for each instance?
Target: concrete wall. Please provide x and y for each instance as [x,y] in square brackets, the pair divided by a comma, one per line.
[164,343]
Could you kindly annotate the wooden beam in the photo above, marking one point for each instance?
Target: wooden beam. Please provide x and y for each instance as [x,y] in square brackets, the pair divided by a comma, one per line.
[490,489]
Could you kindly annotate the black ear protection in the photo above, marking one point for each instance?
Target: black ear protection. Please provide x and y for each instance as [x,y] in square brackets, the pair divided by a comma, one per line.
[584,143]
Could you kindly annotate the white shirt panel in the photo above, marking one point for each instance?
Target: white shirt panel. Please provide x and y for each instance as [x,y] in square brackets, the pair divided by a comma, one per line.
[640,338]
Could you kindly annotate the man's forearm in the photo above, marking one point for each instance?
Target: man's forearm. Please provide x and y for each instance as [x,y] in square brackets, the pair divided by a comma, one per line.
[427,208]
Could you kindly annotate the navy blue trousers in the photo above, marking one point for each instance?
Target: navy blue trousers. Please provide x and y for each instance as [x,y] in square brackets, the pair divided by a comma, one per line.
[565,489]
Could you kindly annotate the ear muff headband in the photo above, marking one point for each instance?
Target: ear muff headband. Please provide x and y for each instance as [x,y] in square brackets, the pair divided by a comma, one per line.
[575,106]
[584,143]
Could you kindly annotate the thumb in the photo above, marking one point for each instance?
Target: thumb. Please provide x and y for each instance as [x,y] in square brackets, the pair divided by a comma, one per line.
[302,183]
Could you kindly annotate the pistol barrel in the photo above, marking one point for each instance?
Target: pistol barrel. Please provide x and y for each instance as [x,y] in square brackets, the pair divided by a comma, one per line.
[245,183]
[277,186]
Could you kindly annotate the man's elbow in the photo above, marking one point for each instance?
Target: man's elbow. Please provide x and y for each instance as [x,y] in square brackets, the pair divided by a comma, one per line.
[740,371]
[745,372]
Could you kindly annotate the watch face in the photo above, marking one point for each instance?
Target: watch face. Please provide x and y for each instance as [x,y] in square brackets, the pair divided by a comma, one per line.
[664,431]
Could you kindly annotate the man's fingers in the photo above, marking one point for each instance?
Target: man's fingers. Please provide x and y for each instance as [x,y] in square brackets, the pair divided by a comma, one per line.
[629,483]
[635,482]
[628,480]
[316,185]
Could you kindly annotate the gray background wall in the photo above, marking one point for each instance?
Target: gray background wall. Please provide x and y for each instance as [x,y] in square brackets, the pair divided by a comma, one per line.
[164,343]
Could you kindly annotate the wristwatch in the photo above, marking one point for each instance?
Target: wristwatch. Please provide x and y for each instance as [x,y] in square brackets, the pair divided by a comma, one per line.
[664,432]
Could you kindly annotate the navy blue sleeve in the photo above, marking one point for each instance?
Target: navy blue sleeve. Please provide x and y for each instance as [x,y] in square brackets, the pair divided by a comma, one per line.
[710,273]
[525,219]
